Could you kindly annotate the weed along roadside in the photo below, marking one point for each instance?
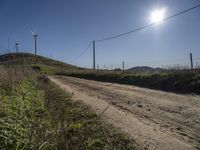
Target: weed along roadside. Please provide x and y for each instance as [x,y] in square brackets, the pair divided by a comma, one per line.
[24,121]
[79,127]
[40,115]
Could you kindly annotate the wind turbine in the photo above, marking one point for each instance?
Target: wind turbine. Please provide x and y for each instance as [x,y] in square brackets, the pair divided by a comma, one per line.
[35,36]
[17,46]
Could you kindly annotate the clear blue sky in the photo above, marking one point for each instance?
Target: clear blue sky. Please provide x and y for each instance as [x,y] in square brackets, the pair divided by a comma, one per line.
[65,28]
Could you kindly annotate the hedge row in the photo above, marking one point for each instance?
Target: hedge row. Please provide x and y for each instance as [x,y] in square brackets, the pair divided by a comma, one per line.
[181,82]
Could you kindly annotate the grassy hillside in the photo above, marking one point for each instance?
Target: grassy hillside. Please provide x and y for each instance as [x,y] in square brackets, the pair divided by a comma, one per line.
[45,64]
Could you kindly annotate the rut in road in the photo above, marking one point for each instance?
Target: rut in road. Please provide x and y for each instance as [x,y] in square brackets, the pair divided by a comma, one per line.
[169,115]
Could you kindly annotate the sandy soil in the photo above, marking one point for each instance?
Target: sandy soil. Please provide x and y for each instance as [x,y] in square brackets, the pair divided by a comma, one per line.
[155,119]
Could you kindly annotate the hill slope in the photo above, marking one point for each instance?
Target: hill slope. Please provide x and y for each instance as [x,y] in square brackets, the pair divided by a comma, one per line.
[46,65]
[141,69]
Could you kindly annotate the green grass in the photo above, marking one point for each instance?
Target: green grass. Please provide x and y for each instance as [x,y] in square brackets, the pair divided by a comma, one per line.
[23,117]
[47,65]
[39,115]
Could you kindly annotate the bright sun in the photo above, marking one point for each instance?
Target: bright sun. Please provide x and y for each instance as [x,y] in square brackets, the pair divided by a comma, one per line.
[158,15]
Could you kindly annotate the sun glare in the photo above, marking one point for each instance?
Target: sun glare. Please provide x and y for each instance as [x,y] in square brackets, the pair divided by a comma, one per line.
[157,15]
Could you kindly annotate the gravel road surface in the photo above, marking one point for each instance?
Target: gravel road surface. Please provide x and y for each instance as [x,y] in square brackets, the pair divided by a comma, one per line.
[155,119]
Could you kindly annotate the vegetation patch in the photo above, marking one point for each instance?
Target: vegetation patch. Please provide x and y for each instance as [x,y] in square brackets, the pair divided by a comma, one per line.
[79,127]
[185,81]
[24,121]
[36,114]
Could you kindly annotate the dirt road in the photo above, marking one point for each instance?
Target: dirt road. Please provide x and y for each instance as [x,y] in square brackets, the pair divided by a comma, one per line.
[155,119]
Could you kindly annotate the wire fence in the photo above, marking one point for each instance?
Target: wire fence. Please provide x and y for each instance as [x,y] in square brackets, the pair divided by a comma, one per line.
[164,64]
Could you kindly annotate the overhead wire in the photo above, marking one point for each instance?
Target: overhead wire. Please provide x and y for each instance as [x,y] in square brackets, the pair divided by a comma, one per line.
[146,26]
[134,30]
[73,60]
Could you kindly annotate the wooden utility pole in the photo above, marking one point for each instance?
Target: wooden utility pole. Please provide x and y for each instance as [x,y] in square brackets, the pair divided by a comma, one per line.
[191,61]
[61,67]
[23,62]
[94,61]
[123,66]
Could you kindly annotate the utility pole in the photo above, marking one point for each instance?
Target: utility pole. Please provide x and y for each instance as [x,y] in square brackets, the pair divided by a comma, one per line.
[94,61]
[61,67]
[23,62]
[191,61]
[123,66]
[17,46]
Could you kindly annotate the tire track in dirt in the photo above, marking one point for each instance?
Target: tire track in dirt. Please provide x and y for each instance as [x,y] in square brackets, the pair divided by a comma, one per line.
[160,119]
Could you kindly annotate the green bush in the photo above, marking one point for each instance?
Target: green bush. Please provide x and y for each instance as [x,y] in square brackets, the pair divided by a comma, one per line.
[174,81]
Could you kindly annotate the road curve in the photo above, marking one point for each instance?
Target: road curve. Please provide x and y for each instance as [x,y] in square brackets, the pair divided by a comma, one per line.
[155,119]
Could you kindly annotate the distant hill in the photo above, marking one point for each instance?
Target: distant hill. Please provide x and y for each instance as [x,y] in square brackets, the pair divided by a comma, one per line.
[34,60]
[144,69]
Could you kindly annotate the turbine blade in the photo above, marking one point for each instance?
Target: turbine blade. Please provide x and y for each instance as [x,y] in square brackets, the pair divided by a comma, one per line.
[35,30]
[32,33]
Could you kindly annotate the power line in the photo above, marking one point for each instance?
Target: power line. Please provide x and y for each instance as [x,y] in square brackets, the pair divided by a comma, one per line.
[135,30]
[146,26]
[73,60]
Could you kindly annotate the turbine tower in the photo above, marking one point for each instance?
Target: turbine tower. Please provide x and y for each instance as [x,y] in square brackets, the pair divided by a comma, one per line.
[17,46]
[35,36]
